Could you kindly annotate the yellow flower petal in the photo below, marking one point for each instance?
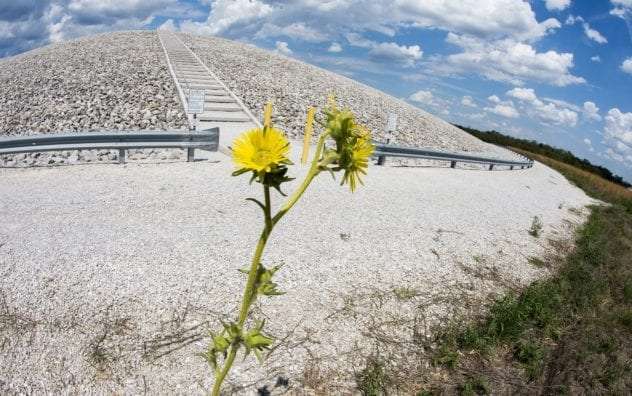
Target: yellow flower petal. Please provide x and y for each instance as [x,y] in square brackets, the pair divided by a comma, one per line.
[259,152]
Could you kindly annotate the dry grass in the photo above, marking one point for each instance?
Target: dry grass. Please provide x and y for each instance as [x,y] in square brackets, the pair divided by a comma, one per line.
[593,184]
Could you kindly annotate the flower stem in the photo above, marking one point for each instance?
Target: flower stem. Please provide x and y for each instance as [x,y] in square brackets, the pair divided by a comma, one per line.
[270,222]
[311,174]
[219,378]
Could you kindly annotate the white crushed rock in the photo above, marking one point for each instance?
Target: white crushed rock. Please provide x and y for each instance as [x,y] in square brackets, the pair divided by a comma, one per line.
[114,81]
[110,273]
[257,76]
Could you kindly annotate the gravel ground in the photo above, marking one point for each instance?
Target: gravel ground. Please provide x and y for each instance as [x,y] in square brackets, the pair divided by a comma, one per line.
[111,274]
[114,81]
[257,76]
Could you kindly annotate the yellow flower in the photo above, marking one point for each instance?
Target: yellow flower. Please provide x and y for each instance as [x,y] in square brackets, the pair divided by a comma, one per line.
[361,151]
[261,152]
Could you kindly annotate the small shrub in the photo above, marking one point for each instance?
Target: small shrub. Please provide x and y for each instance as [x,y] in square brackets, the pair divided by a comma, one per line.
[474,386]
[531,355]
[372,380]
[446,356]
[537,262]
[404,293]
[536,227]
[627,291]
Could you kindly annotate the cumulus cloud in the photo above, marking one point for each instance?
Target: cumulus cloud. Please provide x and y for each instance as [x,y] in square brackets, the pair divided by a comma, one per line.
[392,52]
[557,5]
[494,99]
[468,101]
[297,31]
[335,47]
[626,66]
[228,14]
[505,109]
[424,97]
[591,111]
[526,94]
[618,135]
[595,58]
[282,47]
[547,111]
[509,61]
[26,24]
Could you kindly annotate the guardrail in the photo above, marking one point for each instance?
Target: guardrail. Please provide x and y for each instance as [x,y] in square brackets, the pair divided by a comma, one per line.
[387,150]
[121,141]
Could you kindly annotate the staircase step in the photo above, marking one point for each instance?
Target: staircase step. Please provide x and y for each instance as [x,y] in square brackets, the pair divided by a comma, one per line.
[211,118]
[217,108]
[219,99]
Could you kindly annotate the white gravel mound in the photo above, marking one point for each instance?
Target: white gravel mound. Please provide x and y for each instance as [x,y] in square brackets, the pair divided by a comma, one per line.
[257,76]
[114,81]
[112,275]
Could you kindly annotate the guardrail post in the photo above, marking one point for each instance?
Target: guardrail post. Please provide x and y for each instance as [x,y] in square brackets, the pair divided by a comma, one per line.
[511,167]
[491,166]
[453,164]
[121,156]
[190,154]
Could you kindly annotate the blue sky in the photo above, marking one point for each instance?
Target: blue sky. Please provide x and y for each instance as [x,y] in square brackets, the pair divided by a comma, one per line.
[559,71]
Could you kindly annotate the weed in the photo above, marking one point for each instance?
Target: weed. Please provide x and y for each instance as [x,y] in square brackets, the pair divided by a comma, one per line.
[446,356]
[372,380]
[531,355]
[536,227]
[537,262]
[405,293]
[627,291]
[474,386]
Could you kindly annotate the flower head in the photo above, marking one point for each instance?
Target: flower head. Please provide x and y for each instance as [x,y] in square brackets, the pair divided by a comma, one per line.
[357,162]
[261,151]
[353,145]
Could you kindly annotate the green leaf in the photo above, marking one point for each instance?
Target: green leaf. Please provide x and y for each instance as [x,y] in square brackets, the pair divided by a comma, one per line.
[262,206]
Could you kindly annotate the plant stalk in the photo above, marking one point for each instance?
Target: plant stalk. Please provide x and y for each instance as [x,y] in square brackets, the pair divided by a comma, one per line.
[270,222]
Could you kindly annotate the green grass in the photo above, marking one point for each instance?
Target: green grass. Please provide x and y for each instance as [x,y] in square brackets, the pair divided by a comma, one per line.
[572,331]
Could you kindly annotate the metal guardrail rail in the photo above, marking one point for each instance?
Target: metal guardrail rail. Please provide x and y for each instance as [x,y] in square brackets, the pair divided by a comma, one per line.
[122,141]
[387,150]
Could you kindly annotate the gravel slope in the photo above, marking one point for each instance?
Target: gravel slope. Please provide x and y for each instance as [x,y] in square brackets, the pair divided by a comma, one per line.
[114,81]
[256,76]
[110,273]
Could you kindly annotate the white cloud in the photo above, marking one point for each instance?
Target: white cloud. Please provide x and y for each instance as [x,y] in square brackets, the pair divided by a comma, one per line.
[526,94]
[595,58]
[588,143]
[504,109]
[492,19]
[626,66]
[622,3]
[403,55]
[468,101]
[554,112]
[335,47]
[281,47]
[557,5]
[297,30]
[392,52]
[425,97]
[550,113]
[494,99]
[588,31]
[509,61]
[168,25]
[594,35]
[618,135]
[226,14]
[591,111]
